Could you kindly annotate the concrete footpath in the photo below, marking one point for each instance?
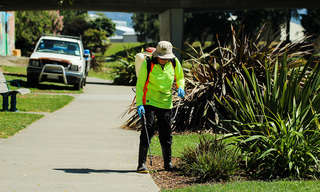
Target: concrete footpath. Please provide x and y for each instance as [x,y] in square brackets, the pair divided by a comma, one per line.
[80,148]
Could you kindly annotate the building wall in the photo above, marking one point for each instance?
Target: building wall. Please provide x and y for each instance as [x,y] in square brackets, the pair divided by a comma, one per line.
[7,33]
[296,32]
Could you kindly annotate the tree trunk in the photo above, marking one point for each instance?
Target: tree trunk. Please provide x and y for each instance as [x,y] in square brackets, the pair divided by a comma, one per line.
[288,25]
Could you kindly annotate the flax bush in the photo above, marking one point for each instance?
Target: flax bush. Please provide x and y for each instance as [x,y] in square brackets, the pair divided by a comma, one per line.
[211,160]
[276,120]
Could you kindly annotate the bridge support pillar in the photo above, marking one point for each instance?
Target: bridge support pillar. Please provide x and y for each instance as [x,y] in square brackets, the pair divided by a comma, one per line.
[171,28]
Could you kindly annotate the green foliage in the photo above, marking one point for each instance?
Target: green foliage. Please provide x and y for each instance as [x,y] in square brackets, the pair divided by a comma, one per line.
[30,25]
[95,32]
[75,22]
[253,20]
[276,120]
[57,22]
[197,27]
[203,26]
[103,23]
[210,70]
[311,22]
[147,26]
[211,160]
[96,40]
[125,73]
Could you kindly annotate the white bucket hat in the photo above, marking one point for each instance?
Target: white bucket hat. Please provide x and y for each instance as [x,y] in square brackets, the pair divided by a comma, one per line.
[164,50]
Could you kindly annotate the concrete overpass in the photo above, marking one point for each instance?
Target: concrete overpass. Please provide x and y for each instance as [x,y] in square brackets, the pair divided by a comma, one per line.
[170,11]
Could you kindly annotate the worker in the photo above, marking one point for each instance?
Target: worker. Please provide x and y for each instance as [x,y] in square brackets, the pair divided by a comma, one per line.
[154,100]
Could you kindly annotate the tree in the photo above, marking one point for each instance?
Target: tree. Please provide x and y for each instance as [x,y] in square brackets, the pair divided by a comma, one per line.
[71,14]
[30,25]
[147,26]
[96,40]
[207,26]
[253,20]
[103,23]
[56,21]
[75,22]
[204,26]
[311,24]
[96,36]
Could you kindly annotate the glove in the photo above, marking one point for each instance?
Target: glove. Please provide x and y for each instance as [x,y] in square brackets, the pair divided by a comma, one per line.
[181,92]
[141,110]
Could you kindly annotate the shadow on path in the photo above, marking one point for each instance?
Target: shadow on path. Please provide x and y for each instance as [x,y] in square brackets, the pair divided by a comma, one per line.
[99,83]
[88,171]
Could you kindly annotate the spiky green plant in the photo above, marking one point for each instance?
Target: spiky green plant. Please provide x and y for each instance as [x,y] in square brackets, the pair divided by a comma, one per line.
[210,71]
[125,73]
[276,120]
[211,160]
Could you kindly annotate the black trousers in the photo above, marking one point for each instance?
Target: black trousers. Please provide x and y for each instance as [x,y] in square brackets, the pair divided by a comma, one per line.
[163,123]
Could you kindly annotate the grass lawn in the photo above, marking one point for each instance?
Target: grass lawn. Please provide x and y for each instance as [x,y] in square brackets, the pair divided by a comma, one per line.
[102,74]
[21,70]
[116,47]
[41,103]
[14,122]
[179,142]
[255,186]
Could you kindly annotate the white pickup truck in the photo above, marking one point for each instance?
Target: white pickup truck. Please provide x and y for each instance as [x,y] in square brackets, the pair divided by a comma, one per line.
[59,59]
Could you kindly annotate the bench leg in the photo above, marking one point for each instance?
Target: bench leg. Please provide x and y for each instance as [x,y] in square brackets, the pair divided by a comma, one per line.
[13,102]
[5,101]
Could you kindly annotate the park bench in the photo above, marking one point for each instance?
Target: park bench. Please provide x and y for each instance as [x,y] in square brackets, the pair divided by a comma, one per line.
[6,93]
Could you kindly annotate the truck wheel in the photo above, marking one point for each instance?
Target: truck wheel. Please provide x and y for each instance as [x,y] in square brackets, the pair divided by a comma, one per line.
[31,81]
[78,85]
[84,82]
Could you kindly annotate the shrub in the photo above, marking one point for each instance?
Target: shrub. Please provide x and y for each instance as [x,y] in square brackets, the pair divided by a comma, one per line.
[211,69]
[96,40]
[125,73]
[276,120]
[211,160]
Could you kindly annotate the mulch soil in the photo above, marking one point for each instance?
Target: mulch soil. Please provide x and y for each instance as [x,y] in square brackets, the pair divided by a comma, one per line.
[174,179]
[168,179]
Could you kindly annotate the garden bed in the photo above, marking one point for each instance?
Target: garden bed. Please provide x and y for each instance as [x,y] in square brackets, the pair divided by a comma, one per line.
[166,179]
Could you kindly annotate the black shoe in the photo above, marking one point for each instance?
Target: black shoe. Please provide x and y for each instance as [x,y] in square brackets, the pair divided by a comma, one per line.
[142,169]
[168,166]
